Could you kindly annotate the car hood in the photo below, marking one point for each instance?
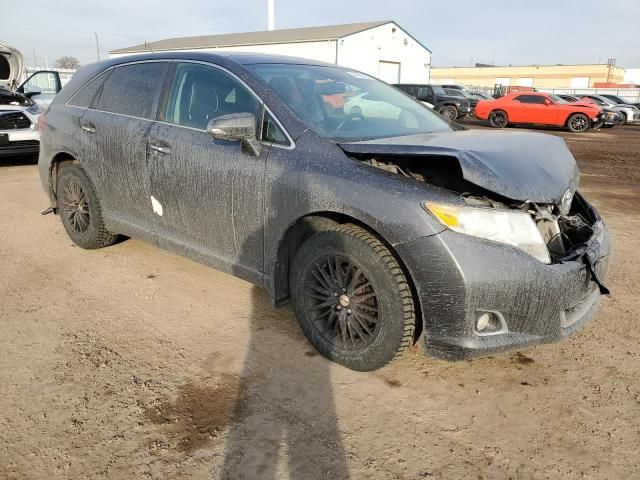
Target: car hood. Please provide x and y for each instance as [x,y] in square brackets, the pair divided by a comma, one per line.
[14,60]
[518,165]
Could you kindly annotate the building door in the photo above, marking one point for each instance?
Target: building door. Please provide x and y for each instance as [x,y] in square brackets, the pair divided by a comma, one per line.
[389,71]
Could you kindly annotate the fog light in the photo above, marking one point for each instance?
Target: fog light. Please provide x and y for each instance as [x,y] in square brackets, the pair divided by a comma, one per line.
[490,323]
[483,322]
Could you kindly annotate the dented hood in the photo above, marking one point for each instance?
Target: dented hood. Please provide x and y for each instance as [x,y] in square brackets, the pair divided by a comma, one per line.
[517,165]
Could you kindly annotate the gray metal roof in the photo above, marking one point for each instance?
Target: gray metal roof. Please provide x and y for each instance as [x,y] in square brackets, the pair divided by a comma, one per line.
[330,32]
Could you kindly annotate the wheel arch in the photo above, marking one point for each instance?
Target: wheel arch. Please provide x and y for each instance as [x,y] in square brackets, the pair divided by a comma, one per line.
[54,166]
[300,230]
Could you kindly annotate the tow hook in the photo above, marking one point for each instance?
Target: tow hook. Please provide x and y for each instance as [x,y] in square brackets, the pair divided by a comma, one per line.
[47,211]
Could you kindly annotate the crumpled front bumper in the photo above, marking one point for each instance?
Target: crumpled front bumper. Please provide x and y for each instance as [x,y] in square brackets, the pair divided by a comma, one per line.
[458,278]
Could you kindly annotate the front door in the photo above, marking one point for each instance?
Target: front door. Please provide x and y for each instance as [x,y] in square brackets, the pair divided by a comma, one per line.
[207,193]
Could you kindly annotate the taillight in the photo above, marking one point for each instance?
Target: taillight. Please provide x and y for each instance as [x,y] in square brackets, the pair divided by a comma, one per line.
[42,120]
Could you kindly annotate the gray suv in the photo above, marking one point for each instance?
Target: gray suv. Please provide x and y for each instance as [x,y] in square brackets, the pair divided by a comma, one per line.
[379,225]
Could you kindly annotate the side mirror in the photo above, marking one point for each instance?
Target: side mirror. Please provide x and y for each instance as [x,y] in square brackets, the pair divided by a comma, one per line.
[32,92]
[236,127]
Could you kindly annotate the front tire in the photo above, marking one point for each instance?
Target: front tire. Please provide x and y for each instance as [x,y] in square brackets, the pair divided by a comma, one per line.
[498,119]
[449,112]
[578,123]
[80,209]
[352,298]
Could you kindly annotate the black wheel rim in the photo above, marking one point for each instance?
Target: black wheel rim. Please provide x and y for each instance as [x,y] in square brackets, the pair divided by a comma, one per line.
[342,303]
[75,206]
[579,123]
[498,119]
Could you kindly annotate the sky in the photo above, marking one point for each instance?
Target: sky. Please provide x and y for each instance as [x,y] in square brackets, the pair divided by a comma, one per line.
[460,32]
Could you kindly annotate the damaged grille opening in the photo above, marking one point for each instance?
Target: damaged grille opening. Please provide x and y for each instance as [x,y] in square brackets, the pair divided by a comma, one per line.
[566,236]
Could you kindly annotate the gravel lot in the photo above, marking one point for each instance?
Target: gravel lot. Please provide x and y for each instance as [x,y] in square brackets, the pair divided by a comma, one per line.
[131,362]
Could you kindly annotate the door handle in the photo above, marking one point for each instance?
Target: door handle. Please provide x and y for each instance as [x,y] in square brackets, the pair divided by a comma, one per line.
[88,127]
[160,148]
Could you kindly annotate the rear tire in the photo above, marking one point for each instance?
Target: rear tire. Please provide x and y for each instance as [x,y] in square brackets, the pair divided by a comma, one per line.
[498,119]
[578,123]
[351,298]
[80,209]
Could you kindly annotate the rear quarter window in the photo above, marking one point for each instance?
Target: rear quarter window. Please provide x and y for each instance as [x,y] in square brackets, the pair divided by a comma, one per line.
[133,89]
[84,97]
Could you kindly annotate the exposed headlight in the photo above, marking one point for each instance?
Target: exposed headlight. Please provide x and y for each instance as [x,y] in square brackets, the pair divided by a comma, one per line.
[34,109]
[512,227]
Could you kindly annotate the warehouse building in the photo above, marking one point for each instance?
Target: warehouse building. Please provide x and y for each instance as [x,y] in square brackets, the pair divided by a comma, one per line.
[537,76]
[382,49]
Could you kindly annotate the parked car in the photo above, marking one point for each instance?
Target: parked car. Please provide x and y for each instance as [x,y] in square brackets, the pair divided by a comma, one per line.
[619,100]
[609,118]
[463,94]
[368,105]
[454,86]
[376,229]
[481,96]
[19,108]
[538,108]
[630,112]
[450,107]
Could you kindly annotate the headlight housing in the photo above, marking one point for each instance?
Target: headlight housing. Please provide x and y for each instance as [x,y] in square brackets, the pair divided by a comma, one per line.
[34,109]
[511,227]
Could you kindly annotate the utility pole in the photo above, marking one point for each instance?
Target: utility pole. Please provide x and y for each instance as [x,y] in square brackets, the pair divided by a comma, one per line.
[271,15]
[35,59]
[97,46]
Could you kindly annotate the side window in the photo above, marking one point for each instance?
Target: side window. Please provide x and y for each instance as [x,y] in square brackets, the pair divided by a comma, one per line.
[530,99]
[425,91]
[200,93]
[271,132]
[132,89]
[85,95]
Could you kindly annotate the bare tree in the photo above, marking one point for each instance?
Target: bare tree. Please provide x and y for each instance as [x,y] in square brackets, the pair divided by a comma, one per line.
[67,62]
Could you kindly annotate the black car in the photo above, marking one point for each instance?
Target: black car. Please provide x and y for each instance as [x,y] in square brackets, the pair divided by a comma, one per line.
[449,106]
[462,94]
[609,118]
[378,226]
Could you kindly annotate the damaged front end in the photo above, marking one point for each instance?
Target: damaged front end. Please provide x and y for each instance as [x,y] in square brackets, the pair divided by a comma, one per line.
[495,298]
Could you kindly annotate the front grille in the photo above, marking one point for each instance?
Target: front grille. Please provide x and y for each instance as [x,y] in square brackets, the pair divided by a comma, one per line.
[14,121]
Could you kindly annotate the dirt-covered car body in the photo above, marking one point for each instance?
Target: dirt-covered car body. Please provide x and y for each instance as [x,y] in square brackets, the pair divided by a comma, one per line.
[246,207]
[536,108]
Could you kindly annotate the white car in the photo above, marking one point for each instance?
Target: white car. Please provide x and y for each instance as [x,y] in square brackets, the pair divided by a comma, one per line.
[630,112]
[22,104]
[368,106]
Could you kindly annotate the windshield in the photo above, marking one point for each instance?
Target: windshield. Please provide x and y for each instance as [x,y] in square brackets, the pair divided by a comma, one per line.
[342,104]
[557,99]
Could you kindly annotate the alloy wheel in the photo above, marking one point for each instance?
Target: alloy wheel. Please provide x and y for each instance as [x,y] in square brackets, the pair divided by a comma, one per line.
[75,206]
[342,302]
[579,123]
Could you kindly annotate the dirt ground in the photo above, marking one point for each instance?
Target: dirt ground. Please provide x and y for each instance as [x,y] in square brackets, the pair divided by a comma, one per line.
[131,362]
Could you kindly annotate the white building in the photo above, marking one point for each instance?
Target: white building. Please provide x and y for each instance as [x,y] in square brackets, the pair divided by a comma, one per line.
[382,49]
[632,75]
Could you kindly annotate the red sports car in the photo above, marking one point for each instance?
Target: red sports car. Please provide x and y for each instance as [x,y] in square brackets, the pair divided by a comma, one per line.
[538,108]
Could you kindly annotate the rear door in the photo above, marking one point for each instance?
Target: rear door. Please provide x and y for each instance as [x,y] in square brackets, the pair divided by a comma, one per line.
[209,192]
[115,130]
